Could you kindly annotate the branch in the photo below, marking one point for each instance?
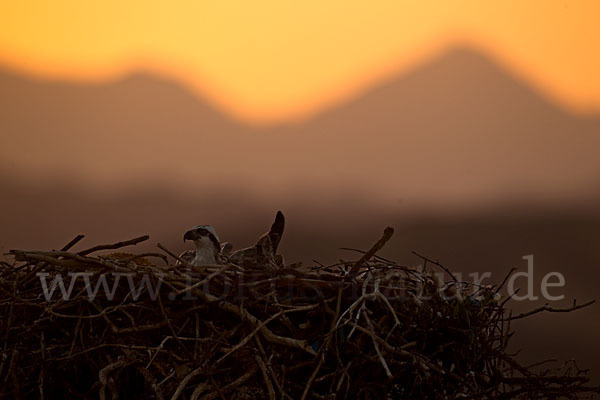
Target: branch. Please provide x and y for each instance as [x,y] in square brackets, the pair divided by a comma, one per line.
[547,308]
[114,246]
[387,235]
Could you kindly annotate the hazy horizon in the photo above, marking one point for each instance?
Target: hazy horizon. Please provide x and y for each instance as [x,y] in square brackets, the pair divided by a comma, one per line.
[457,133]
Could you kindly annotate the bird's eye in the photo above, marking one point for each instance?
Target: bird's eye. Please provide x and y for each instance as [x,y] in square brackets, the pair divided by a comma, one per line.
[202,231]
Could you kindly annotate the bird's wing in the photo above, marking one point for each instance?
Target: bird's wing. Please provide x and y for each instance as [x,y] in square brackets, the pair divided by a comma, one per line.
[262,254]
[276,231]
[257,256]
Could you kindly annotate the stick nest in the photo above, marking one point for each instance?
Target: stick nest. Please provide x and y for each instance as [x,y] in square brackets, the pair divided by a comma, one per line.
[367,329]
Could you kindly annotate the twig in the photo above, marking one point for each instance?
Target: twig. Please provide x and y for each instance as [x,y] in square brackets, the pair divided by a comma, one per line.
[72,243]
[387,235]
[547,308]
[436,263]
[114,246]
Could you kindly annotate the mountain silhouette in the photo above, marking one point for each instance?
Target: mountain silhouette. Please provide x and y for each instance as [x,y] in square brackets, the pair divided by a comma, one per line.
[457,130]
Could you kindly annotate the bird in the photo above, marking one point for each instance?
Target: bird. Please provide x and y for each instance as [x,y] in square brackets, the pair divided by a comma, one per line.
[210,251]
[208,247]
[264,252]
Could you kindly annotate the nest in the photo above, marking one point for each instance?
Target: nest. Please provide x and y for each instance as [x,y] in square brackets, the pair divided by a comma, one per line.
[125,326]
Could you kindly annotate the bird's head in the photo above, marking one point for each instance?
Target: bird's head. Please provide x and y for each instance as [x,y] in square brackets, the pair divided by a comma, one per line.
[202,235]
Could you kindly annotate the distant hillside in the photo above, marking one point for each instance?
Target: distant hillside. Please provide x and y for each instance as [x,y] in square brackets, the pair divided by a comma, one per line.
[458,130]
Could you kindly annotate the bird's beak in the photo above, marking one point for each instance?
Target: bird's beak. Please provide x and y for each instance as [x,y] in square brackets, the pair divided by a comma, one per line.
[190,235]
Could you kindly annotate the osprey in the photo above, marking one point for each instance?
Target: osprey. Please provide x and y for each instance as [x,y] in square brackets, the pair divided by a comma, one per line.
[207,244]
[210,251]
[263,253]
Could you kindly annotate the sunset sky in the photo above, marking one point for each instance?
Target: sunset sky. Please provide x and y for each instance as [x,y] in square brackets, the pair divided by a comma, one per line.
[270,60]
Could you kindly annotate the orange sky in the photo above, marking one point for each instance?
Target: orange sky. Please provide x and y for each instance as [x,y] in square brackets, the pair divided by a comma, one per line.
[267,60]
